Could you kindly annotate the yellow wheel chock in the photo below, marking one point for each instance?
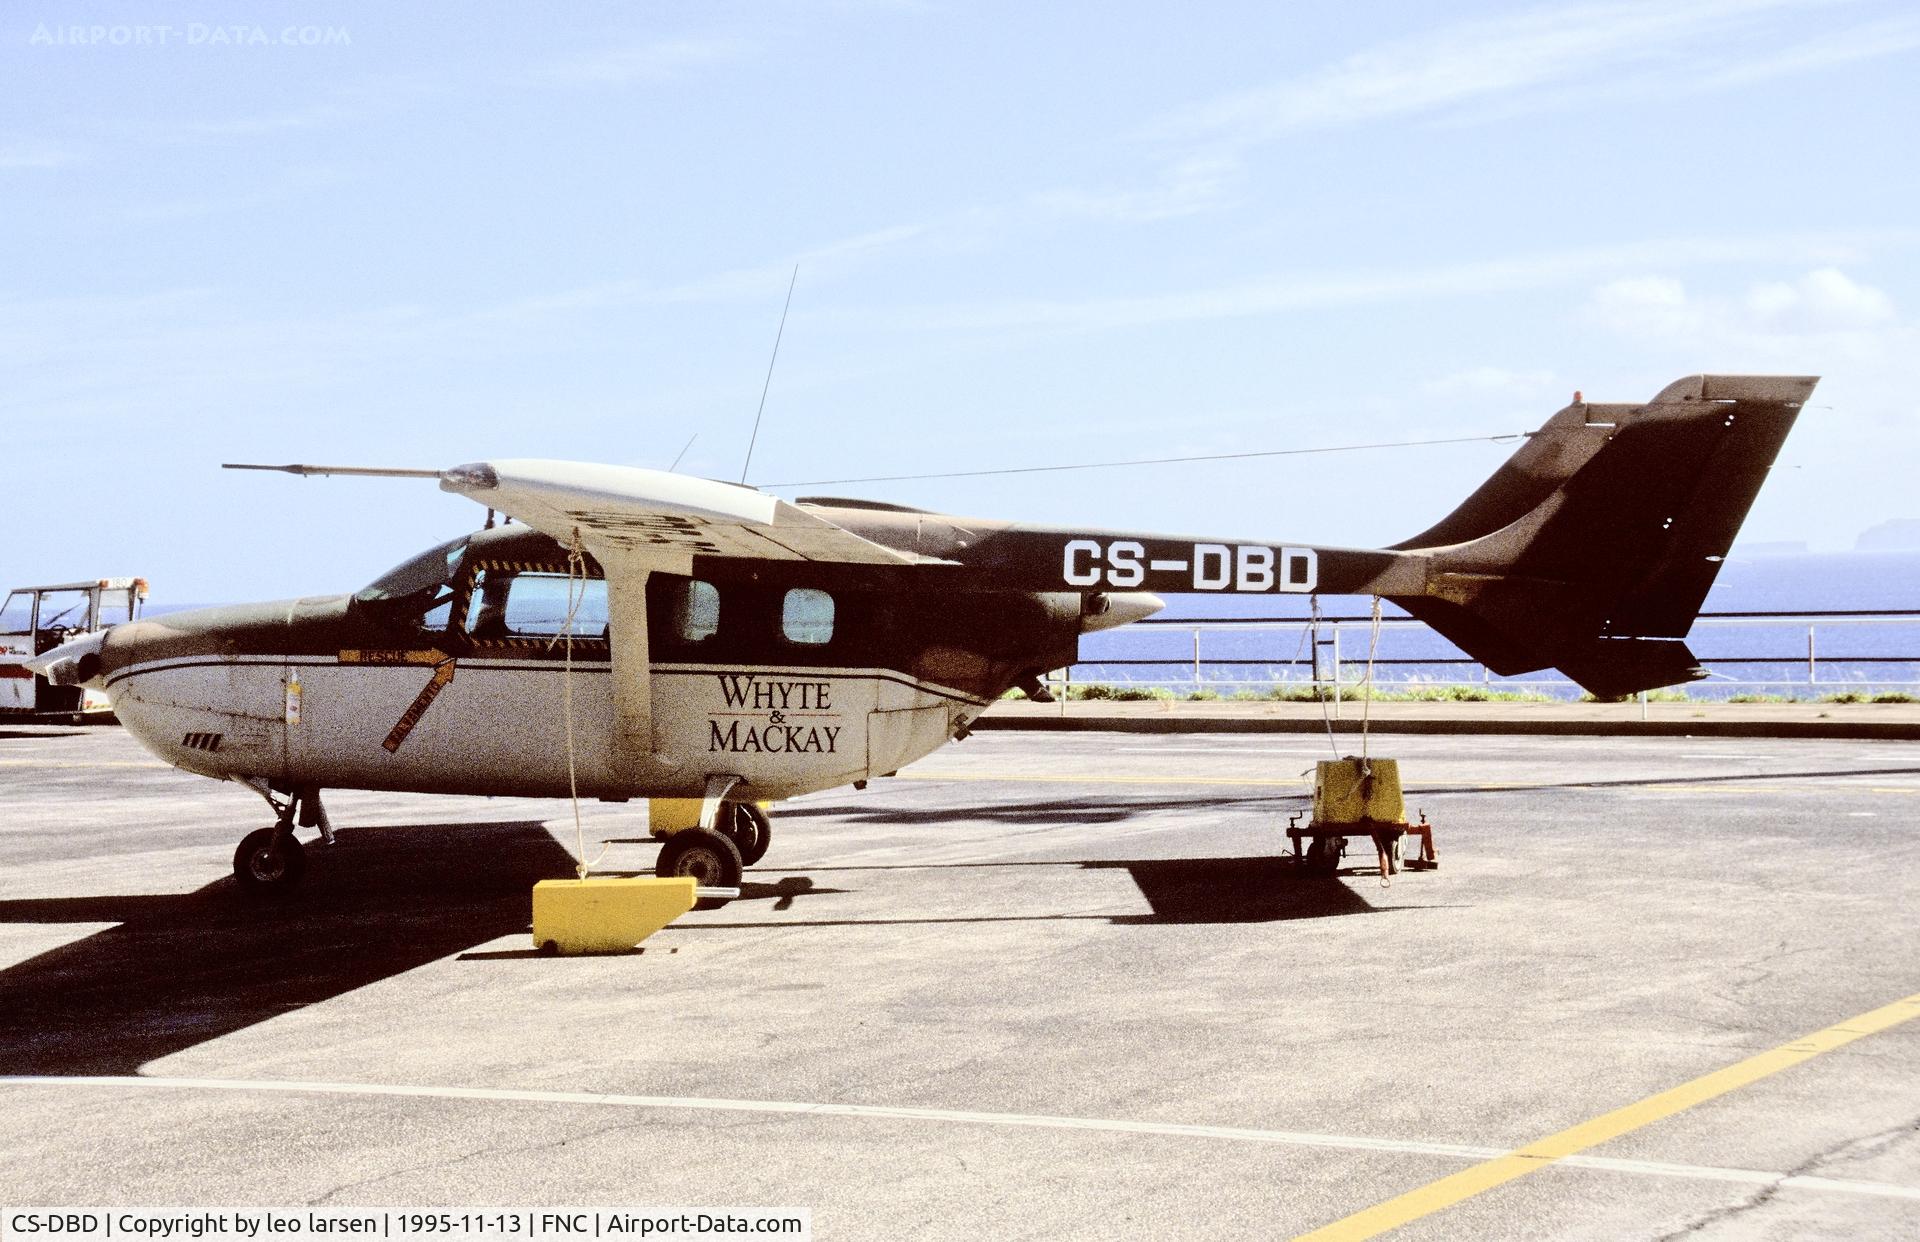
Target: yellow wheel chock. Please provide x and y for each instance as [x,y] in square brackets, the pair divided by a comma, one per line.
[610,914]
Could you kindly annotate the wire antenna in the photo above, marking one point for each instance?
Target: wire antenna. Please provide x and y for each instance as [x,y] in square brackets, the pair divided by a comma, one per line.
[683,452]
[1501,438]
[754,439]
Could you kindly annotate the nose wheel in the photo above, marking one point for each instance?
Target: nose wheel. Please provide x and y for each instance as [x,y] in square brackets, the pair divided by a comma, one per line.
[270,860]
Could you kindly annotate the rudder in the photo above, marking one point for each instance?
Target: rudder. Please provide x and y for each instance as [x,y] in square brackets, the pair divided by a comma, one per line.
[1594,546]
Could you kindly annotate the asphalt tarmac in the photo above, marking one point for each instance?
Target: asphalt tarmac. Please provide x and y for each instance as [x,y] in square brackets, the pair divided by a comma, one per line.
[1041,985]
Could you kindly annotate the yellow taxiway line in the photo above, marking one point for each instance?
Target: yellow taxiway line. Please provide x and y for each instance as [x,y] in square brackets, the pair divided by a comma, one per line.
[1542,1153]
[1653,785]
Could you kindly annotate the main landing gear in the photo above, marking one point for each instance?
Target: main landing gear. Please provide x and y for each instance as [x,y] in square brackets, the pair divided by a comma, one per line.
[748,827]
[272,860]
[716,856]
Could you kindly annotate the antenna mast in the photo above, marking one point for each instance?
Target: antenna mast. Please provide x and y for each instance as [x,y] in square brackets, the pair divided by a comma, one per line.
[745,465]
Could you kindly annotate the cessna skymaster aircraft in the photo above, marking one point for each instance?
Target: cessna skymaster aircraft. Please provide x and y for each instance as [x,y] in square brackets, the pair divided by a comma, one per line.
[718,643]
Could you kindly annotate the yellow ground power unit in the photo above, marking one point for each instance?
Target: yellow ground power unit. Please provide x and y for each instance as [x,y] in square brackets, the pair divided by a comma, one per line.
[1356,797]
[1350,791]
[606,914]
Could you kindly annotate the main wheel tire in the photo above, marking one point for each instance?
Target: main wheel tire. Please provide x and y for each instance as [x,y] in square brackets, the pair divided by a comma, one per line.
[262,866]
[748,827]
[709,857]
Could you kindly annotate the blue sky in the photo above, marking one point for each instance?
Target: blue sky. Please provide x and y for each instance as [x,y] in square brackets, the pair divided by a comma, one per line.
[426,234]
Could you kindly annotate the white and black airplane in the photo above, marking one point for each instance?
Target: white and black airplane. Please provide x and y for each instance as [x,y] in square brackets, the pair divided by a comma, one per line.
[718,643]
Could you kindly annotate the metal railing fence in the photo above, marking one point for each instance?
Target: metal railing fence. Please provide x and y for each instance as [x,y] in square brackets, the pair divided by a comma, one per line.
[1336,656]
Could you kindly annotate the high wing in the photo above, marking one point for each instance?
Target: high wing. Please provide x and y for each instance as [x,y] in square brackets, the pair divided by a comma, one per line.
[628,515]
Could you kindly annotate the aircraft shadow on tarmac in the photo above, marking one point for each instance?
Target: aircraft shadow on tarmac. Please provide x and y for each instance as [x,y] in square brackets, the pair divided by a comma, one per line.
[180,970]
[1064,812]
[1177,890]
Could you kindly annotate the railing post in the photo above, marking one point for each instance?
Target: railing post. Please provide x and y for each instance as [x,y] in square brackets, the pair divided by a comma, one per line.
[1813,668]
[1196,657]
[1336,669]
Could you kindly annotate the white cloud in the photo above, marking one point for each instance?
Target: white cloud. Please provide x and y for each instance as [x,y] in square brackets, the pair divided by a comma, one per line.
[1822,310]
[36,154]
[343,104]
[1309,290]
[1823,299]
[1487,381]
[657,61]
[1545,55]
[1646,306]
[1824,51]
[1186,187]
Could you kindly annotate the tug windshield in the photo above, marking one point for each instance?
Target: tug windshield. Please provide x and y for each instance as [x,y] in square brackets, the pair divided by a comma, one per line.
[425,581]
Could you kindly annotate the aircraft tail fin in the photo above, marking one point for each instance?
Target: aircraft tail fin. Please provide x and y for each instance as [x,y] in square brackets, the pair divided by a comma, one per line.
[1593,547]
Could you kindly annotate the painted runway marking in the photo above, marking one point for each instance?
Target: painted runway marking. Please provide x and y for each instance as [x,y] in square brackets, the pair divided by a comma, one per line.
[1452,1151]
[1560,1148]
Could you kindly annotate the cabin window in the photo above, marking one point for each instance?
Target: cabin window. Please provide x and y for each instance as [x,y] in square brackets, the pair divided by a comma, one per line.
[681,612]
[696,611]
[524,604]
[806,617]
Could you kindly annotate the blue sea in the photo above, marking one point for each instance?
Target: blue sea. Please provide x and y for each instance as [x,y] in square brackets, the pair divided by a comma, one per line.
[1748,657]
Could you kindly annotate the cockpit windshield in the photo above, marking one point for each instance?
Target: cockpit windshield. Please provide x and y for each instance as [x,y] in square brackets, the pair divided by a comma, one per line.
[426,580]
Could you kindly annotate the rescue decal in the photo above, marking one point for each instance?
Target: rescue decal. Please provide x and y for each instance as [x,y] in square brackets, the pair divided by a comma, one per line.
[1246,567]
[442,677]
[372,656]
[773,716]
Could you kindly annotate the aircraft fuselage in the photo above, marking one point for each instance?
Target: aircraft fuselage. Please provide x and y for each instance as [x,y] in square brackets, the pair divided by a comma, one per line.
[792,680]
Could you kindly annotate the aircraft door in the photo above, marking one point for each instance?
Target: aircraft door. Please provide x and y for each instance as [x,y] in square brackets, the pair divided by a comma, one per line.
[748,681]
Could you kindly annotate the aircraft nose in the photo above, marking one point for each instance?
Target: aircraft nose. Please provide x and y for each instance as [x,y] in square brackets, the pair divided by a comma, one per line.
[1121,608]
[72,663]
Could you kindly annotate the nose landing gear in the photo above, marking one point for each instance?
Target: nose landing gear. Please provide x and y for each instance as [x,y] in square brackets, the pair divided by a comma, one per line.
[272,860]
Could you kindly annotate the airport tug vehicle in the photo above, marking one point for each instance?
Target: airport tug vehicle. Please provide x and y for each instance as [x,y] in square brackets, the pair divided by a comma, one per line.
[36,619]
[644,634]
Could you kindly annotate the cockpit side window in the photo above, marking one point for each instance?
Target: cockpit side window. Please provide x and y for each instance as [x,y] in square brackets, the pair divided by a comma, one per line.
[421,576]
[421,589]
[516,603]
